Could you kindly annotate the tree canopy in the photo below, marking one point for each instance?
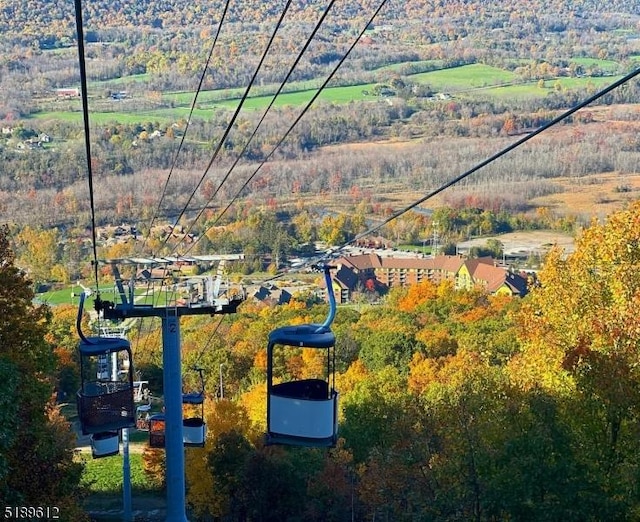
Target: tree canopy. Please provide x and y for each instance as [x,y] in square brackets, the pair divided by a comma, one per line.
[37,444]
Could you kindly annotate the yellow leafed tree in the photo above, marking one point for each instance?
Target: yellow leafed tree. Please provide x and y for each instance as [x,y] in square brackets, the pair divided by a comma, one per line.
[221,416]
[580,328]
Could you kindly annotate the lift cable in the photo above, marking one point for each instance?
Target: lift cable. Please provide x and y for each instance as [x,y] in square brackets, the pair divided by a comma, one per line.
[499,154]
[331,252]
[87,139]
[184,134]
[208,343]
[264,114]
[295,122]
[235,115]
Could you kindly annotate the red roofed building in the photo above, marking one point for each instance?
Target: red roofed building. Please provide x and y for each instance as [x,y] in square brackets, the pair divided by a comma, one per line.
[372,270]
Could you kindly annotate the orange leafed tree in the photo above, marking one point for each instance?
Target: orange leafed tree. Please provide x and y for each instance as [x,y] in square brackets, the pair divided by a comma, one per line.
[416,295]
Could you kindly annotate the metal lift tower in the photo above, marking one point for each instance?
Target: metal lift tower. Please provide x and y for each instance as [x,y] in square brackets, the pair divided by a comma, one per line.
[159,287]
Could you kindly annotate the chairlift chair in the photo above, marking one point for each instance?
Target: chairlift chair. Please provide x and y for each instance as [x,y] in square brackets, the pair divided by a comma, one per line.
[304,412]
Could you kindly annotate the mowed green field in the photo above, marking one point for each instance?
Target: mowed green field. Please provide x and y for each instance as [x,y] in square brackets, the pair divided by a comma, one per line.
[70,295]
[534,91]
[464,78]
[605,65]
[475,80]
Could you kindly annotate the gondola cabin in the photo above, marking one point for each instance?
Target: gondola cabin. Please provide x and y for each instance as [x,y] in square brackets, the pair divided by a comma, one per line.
[143,414]
[141,391]
[157,426]
[105,400]
[105,444]
[303,412]
[194,429]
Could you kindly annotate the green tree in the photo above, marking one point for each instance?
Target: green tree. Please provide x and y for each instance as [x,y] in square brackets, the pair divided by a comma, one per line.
[63,337]
[386,337]
[390,439]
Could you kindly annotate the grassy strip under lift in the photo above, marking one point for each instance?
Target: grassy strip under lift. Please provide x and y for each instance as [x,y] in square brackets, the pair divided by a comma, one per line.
[104,476]
[103,479]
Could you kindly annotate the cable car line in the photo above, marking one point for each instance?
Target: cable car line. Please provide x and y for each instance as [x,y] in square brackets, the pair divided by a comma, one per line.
[206,345]
[498,154]
[334,250]
[295,122]
[184,134]
[235,114]
[264,114]
[87,138]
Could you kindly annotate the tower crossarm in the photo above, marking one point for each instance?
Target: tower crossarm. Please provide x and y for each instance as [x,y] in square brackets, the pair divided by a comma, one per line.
[148,286]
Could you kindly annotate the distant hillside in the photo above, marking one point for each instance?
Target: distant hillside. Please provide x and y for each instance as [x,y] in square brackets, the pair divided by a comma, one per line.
[53,23]
[145,58]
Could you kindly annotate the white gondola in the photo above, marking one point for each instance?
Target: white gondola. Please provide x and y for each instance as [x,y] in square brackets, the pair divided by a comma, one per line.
[194,429]
[304,412]
[141,391]
[105,444]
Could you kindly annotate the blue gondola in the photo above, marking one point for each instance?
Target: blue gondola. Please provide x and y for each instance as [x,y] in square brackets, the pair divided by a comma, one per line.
[304,412]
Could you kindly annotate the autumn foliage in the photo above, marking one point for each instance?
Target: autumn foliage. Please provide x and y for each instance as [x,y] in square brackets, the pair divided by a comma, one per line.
[36,441]
[455,404]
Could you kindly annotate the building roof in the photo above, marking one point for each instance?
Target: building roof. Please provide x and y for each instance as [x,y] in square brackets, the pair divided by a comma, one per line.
[517,283]
[273,295]
[490,276]
[448,263]
[493,277]
[370,261]
[482,270]
[346,278]
[361,262]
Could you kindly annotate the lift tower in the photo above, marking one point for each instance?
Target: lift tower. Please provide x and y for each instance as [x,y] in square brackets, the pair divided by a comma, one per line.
[161,287]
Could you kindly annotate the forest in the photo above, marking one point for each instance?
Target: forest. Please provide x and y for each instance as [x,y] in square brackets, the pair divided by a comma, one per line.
[453,404]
